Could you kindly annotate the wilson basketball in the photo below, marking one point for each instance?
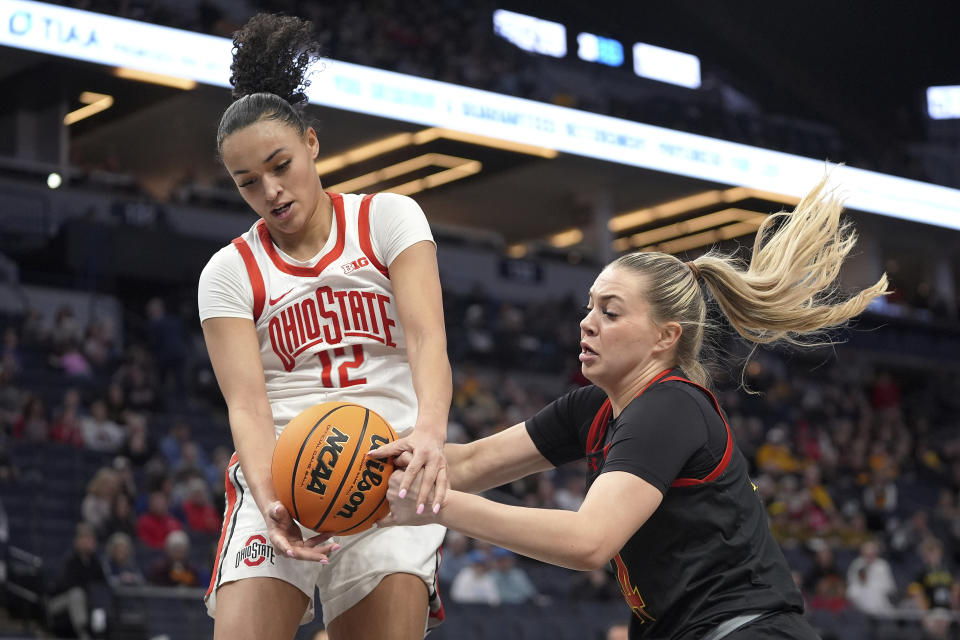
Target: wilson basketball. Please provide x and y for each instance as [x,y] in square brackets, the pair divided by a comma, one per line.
[321,473]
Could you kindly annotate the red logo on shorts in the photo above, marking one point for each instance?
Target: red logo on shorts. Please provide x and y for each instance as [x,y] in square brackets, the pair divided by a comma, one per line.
[255,552]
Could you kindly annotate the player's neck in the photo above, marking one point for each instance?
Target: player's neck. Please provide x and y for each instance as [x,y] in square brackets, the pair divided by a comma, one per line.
[634,385]
[312,237]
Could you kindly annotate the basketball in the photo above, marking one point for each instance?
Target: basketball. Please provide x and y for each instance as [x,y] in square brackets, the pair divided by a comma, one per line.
[321,473]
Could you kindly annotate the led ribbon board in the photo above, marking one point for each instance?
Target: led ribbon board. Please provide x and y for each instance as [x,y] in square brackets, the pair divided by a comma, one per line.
[126,43]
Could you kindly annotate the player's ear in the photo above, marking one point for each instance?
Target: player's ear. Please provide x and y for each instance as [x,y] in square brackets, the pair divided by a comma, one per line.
[312,142]
[670,333]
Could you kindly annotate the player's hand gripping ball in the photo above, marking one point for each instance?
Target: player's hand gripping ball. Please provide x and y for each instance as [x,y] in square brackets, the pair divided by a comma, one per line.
[321,473]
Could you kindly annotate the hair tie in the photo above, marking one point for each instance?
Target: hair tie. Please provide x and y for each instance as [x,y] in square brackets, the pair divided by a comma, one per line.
[694,269]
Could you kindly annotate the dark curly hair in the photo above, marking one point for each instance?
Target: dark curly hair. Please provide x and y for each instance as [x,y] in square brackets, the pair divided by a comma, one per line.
[271,55]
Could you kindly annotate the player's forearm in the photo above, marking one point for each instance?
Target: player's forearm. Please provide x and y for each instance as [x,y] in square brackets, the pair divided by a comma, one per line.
[431,373]
[556,536]
[254,439]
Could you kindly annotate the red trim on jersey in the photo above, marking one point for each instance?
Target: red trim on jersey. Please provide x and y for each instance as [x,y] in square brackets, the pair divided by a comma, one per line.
[308,272]
[253,272]
[727,452]
[440,614]
[360,334]
[366,244]
[598,429]
[231,505]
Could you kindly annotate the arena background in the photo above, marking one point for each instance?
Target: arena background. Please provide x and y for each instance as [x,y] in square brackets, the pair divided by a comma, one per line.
[534,170]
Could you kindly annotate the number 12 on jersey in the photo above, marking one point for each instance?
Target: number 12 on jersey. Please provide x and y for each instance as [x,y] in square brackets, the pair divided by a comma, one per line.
[344,364]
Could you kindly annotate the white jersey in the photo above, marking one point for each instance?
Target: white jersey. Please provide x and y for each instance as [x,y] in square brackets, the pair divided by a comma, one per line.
[328,327]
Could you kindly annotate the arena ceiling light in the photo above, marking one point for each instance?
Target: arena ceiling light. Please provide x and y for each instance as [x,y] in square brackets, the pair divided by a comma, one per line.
[517,251]
[673,208]
[96,102]
[154,78]
[708,238]
[398,141]
[693,225]
[456,168]
[566,238]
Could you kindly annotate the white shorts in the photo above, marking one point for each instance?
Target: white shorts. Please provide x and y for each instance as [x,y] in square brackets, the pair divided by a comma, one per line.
[354,571]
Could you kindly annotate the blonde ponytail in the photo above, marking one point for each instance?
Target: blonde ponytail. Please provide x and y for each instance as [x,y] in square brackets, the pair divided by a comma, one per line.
[786,293]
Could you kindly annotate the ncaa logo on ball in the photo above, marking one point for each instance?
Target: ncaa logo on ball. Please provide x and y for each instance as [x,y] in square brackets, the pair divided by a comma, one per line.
[255,552]
[371,477]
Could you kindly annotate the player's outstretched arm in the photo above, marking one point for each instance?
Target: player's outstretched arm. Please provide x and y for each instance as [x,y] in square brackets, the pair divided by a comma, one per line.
[493,461]
[617,504]
[235,355]
[416,285]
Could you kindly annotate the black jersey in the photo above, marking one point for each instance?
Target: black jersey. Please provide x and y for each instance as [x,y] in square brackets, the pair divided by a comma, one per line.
[706,554]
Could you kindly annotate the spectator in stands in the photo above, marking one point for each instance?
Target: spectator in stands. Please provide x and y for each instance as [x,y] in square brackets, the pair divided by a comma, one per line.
[141,390]
[570,495]
[71,361]
[11,396]
[870,583]
[596,585]
[513,583]
[175,568]
[79,588]
[10,348]
[116,402]
[32,425]
[120,565]
[198,508]
[140,445]
[456,549]
[34,332]
[101,491]
[169,342]
[880,498]
[99,432]
[125,472]
[99,345]
[824,583]
[154,525]
[122,518]
[474,584]
[935,578]
[774,456]
[907,536]
[885,394]
[171,445]
[67,427]
[65,330]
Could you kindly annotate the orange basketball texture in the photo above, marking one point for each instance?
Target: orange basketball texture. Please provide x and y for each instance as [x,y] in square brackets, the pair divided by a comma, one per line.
[321,473]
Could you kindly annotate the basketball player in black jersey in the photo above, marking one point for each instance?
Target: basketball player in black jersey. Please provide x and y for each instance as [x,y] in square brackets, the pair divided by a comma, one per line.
[669,502]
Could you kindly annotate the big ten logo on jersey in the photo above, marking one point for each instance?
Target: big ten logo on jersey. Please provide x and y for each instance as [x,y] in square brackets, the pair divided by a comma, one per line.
[255,552]
[326,460]
[371,477]
[329,316]
[359,263]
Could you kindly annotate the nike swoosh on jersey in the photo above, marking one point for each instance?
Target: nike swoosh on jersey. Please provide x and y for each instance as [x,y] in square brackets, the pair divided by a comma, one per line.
[274,301]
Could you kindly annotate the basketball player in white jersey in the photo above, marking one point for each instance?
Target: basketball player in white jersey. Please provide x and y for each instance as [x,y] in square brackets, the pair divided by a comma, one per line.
[327,297]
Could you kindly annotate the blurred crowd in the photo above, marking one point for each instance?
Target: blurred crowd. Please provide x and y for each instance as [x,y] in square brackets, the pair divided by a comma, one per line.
[858,462]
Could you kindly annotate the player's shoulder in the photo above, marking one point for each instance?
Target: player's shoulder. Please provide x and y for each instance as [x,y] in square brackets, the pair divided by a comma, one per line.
[671,400]
[393,203]
[226,260]
[584,401]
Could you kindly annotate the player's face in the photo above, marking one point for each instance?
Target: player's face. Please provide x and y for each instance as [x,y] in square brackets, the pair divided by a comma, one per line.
[617,336]
[273,167]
